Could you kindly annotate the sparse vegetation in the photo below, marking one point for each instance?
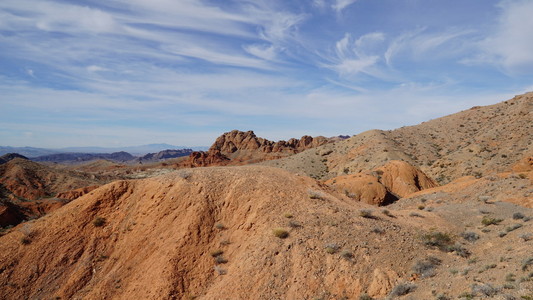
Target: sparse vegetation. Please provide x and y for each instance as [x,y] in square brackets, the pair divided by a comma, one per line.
[99,221]
[332,248]
[459,250]
[490,221]
[315,195]
[387,213]
[427,266]
[366,213]
[25,240]
[470,236]
[365,296]
[403,288]
[220,271]
[220,260]
[518,216]
[288,215]
[526,236]
[217,253]
[346,254]
[484,290]
[513,227]
[528,262]
[220,226]
[438,240]
[280,233]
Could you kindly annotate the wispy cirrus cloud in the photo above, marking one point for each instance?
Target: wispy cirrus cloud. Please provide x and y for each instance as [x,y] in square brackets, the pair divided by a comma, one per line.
[510,44]
[268,65]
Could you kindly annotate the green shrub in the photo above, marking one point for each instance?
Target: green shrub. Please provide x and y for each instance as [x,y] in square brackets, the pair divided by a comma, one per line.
[438,240]
[280,233]
[490,221]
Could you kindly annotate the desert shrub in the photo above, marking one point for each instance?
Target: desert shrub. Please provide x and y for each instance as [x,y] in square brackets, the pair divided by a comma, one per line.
[510,277]
[387,213]
[502,234]
[442,297]
[220,271]
[220,260]
[459,250]
[365,296]
[518,215]
[415,214]
[466,295]
[484,290]
[366,213]
[288,215]
[427,266]
[484,199]
[378,230]
[294,224]
[25,240]
[346,254]
[470,236]
[332,248]
[513,227]
[528,262]
[99,221]
[401,289]
[437,239]
[184,174]
[216,253]
[526,236]
[490,221]
[280,233]
[315,195]
[220,226]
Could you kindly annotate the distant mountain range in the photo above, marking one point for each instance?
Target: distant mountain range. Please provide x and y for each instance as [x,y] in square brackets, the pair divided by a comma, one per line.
[134,150]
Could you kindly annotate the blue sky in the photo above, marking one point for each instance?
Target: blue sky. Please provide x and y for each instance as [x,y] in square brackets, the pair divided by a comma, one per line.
[131,72]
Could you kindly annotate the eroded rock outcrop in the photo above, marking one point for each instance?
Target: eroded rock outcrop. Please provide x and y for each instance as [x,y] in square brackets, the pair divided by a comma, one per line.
[241,147]
[384,184]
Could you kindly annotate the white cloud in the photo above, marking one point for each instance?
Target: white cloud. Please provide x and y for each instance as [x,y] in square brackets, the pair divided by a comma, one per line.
[266,52]
[340,5]
[511,46]
[419,45]
[353,57]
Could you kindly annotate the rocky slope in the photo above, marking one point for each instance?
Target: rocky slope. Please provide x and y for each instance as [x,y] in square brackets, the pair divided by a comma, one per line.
[255,232]
[29,189]
[479,141]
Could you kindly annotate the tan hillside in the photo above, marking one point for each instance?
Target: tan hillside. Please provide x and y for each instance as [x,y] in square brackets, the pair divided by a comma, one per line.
[479,141]
[209,233]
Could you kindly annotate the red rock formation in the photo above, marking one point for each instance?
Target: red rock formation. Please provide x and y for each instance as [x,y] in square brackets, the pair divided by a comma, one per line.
[204,159]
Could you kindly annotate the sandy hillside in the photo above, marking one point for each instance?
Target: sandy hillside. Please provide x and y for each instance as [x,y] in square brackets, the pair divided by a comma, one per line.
[209,233]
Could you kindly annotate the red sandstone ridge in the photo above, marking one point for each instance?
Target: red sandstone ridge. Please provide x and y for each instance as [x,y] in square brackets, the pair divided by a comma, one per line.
[239,147]
[204,159]
[233,141]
